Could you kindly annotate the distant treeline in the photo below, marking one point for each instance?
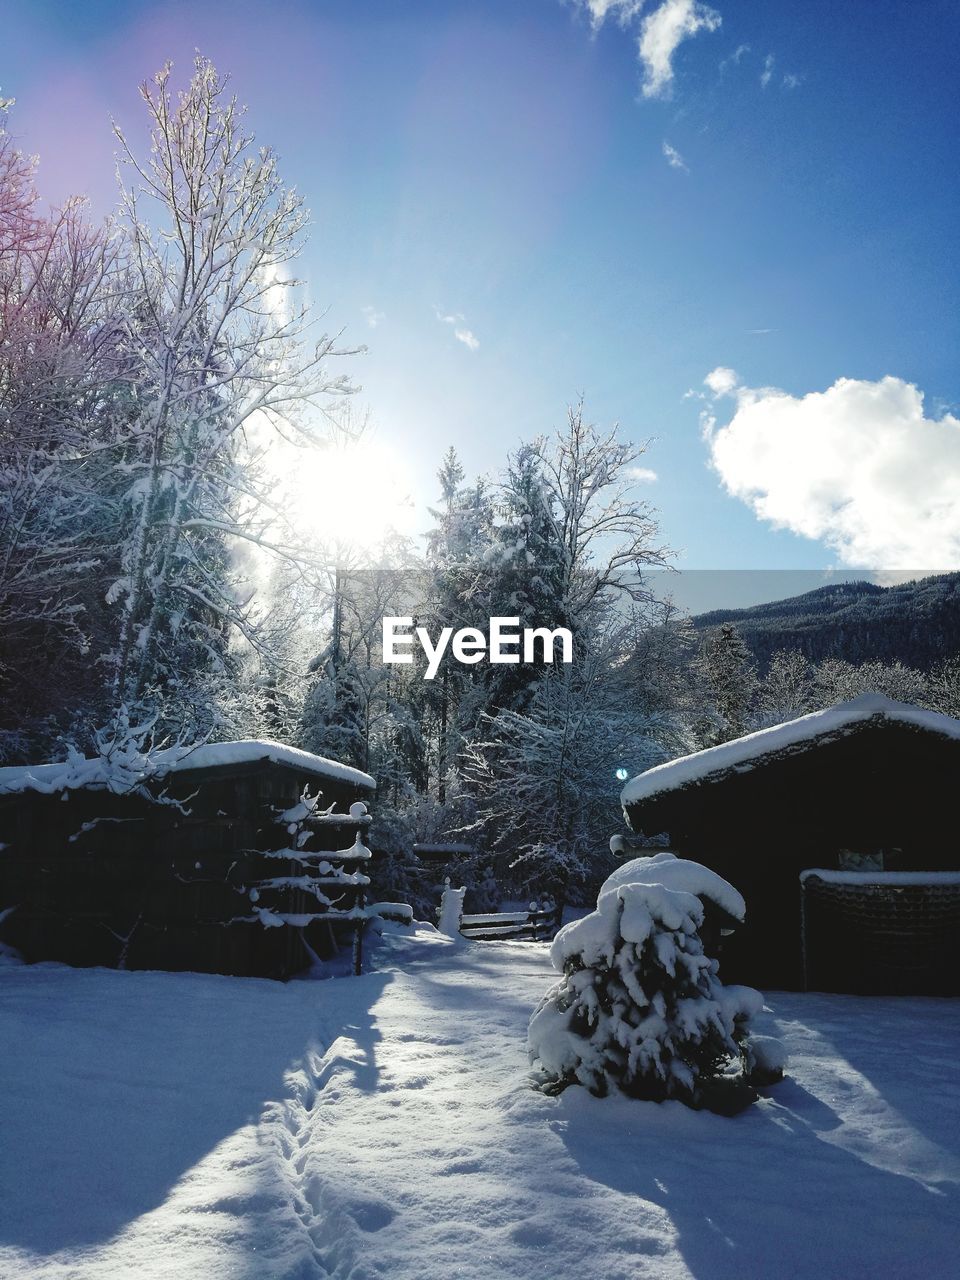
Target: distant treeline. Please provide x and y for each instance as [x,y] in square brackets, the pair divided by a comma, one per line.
[916,623]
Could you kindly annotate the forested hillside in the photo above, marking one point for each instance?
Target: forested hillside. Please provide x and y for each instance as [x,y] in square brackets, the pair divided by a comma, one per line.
[916,623]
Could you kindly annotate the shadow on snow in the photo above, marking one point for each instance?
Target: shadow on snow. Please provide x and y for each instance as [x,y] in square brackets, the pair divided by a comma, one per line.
[133,1078]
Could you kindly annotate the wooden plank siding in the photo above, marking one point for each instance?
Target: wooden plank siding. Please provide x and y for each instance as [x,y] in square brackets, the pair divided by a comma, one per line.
[122,881]
[883,787]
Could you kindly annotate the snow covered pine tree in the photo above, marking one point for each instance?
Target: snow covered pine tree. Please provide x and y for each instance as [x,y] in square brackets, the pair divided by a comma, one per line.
[640,1007]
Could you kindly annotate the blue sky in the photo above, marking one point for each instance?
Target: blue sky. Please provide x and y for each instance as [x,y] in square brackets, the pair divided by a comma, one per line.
[499,163]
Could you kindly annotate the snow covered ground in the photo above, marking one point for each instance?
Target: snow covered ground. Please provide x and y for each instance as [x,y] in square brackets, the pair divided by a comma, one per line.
[161,1125]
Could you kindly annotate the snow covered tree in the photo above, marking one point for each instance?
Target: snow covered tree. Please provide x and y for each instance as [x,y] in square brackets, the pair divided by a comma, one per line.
[223,360]
[552,543]
[838,681]
[59,392]
[359,709]
[545,778]
[454,592]
[567,549]
[463,519]
[729,675]
[943,692]
[526,551]
[606,536]
[145,369]
[786,690]
[639,1007]
[660,668]
[451,537]
[524,568]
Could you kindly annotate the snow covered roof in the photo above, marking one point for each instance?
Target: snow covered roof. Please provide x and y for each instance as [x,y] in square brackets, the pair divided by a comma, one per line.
[97,773]
[250,750]
[783,738]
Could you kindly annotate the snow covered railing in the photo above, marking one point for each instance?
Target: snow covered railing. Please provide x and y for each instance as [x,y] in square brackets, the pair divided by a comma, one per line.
[536,924]
[326,886]
[883,879]
[401,912]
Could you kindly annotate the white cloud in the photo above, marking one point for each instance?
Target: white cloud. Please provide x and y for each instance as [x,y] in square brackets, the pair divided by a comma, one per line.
[789,80]
[460,330]
[468,338]
[642,475]
[721,381]
[373,317]
[622,10]
[858,466]
[661,34]
[674,159]
[735,58]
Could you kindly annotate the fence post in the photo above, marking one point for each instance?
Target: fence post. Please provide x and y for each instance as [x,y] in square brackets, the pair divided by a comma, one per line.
[451,910]
[358,934]
[804,957]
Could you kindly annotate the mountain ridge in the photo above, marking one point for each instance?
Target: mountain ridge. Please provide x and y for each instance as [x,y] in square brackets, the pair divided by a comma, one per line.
[916,622]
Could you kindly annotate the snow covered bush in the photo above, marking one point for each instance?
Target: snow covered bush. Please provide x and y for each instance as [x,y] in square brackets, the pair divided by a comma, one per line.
[639,1007]
[765,1059]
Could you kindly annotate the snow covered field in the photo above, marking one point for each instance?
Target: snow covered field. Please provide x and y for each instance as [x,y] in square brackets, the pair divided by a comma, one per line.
[160,1125]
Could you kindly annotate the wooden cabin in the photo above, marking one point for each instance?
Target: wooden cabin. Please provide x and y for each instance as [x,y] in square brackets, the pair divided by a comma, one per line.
[840,830]
[239,858]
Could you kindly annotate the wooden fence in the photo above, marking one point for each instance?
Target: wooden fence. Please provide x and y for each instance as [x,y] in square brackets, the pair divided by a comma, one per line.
[539,923]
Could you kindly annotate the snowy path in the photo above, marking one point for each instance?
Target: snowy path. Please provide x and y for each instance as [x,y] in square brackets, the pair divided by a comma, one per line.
[160,1125]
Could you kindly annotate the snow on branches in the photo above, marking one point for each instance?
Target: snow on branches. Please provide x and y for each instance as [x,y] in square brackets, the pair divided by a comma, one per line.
[640,1007]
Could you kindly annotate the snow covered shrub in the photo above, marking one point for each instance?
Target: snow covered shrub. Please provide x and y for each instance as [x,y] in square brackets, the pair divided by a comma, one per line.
[640,1007]
[765,1059]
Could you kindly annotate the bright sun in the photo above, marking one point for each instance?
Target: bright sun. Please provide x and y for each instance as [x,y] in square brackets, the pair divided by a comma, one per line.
[356,494]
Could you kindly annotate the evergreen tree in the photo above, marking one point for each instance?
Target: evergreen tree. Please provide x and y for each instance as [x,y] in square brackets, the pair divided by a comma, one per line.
[729,674]
[456,593]
[356,707]
[640,1007]
[524,569]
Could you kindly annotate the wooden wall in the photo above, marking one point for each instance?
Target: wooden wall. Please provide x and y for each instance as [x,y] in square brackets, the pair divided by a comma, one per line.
[885,787]
[98,879]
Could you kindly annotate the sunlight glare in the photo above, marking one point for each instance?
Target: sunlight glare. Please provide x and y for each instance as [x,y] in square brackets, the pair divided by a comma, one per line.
[358,494]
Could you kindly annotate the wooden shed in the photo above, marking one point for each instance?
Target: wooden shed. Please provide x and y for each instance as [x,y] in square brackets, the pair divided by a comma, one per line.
[840,830]
[238,857]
